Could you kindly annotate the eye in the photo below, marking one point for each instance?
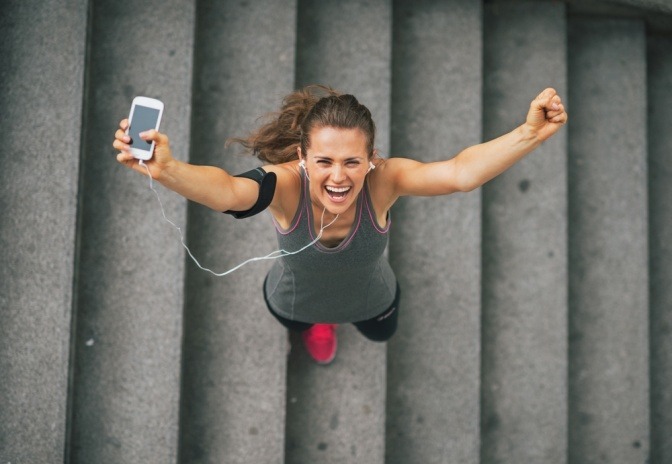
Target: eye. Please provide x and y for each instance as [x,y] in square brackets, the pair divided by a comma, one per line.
[323,162]
[353,163]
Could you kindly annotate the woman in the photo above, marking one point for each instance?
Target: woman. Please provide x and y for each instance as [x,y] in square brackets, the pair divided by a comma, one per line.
[324,184]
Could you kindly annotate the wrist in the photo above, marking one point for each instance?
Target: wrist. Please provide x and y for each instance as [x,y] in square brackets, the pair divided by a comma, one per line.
[169,172]
[529,134]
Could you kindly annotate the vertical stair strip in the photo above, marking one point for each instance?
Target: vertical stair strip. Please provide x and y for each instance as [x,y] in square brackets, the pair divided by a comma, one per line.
[434,360]
[660,251]
[337,413]
[233,395]
[130,294]
[608,292]
[524,380]
[41,107]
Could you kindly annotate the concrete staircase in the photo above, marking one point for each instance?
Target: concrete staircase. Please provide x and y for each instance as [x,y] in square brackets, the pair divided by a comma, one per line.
[536,312]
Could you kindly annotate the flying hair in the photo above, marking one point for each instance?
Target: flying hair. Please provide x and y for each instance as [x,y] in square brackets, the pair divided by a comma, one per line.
[276,141]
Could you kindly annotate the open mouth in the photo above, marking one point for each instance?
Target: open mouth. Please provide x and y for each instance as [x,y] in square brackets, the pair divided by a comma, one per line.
[337,193]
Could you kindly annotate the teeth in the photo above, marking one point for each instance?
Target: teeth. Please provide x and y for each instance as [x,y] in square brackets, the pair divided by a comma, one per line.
[338,189]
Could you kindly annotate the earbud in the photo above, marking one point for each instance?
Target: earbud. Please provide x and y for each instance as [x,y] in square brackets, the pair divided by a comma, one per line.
[371,166]
[302,164]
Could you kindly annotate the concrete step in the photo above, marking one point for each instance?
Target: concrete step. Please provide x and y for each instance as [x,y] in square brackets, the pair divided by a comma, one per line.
[608,269]
[127,350]
[337,414]
[234,376]
[524,319]
[659,141]
[434,360]
[41,101]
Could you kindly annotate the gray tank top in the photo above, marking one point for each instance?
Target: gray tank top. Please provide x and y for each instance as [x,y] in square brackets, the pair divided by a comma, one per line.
[351,282]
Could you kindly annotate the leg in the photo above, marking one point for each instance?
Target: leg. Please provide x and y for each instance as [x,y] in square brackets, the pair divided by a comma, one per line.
[382,327]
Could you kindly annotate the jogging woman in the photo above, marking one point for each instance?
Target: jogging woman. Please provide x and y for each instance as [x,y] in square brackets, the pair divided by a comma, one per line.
[330,196]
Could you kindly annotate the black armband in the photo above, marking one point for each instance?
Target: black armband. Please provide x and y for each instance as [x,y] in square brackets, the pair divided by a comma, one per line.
[266,181]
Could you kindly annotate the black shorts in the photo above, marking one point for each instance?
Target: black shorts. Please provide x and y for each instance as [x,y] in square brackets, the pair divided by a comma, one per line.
[378,329]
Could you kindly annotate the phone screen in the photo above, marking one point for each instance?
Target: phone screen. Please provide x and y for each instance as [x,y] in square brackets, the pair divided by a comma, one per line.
[143,119]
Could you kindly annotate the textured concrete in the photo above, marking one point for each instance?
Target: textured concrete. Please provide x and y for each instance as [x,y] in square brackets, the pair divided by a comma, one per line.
[41,101]
[608,292]
[660,248]
[663,6]
[524,384]
[347,45]
[433,362]
[337,414]
[131,268]
[233,408]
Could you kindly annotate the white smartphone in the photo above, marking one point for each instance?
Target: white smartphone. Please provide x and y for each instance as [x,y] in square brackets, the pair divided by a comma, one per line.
[145,115]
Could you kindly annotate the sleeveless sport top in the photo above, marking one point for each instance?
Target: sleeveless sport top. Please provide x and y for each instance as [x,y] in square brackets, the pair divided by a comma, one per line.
[351,282]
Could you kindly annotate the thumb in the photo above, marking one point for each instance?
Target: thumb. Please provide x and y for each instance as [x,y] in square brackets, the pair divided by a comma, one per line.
[153,135]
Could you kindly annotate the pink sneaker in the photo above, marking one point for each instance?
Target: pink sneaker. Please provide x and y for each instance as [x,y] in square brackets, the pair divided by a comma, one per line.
[320,341]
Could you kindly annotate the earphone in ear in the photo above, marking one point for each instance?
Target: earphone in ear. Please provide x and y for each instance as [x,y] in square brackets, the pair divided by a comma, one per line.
[371,166]
[302,164]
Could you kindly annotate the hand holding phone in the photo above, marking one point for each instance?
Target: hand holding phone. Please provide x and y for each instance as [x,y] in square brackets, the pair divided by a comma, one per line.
[145,115]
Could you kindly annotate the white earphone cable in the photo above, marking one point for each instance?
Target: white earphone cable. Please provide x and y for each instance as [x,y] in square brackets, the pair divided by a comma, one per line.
[273,255]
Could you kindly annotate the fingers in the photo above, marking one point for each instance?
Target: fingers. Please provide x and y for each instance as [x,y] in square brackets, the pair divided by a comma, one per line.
[558,109]
[125,157]
[547,100]
[121,139]
[556,113]
[550,102]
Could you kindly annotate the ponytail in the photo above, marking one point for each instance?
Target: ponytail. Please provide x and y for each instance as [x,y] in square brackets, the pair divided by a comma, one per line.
[276,140]
[314,106]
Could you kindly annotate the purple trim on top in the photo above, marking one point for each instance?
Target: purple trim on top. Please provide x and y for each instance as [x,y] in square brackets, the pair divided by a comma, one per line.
[374,220]
[297,216]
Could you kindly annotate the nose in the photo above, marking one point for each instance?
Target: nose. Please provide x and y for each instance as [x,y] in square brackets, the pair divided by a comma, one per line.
[338,173]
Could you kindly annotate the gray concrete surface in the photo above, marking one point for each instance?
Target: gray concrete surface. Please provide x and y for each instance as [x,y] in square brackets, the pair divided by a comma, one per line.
[234,383]
[337,413]
[434,360]
[660,251]
[131,267]
[608,291]
[41,107]
[348,45]
[524,337]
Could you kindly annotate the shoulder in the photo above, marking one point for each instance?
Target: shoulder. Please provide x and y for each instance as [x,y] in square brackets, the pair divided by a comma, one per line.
[288,174]
[287,190]
[394,166]
[384,181]
[391,172]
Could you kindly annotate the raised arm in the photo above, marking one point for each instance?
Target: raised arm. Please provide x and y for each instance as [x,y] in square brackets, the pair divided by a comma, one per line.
[207,185]
[478,164]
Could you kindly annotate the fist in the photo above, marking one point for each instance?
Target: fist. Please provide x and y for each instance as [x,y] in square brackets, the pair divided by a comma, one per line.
[547,114]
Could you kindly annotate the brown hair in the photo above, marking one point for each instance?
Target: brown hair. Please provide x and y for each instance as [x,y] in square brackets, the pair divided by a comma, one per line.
[312,107]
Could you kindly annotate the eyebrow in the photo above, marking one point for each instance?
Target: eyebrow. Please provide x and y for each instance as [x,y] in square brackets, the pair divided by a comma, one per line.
[327,158]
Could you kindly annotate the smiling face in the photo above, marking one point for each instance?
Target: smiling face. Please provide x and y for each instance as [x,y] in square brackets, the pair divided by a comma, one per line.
[337,163]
